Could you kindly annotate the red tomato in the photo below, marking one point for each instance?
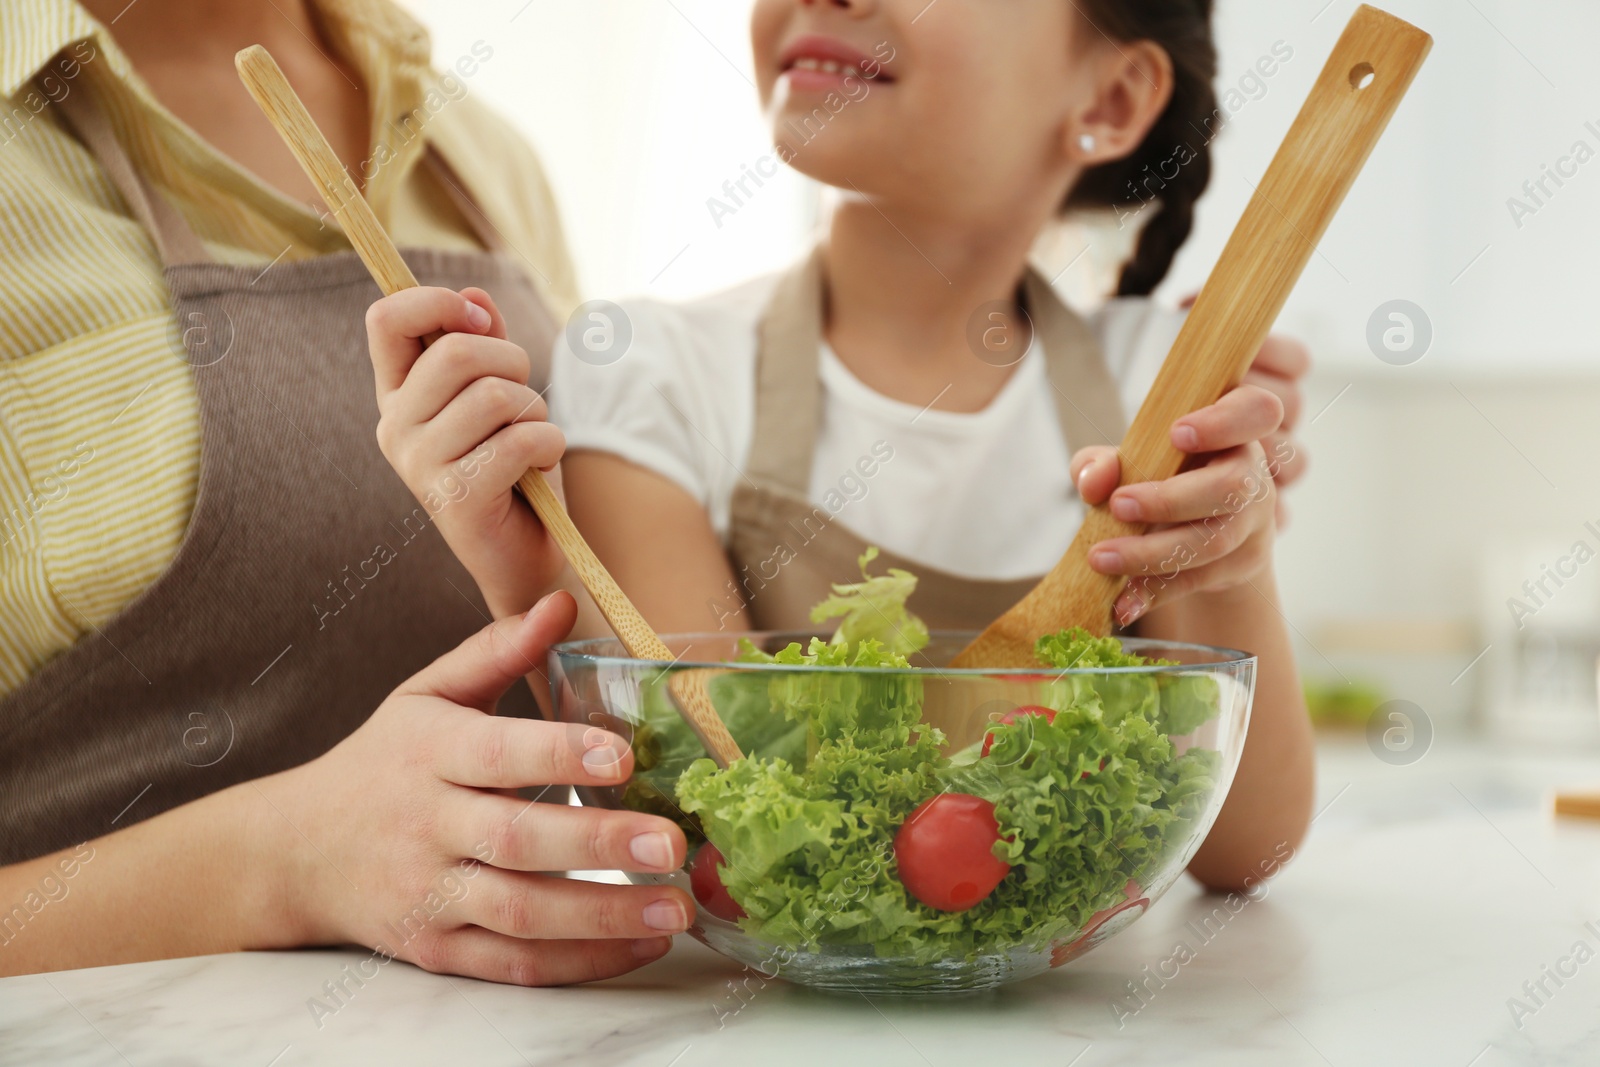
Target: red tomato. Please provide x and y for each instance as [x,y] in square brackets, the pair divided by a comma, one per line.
[705,878]
[1014,716]
[945,852]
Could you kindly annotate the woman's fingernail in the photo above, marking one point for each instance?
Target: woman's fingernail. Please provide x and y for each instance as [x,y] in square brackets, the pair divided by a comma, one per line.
[1126,508]
[651,948]
[603,760]
[1106,560]
[653,849]
[1186,437]
[542,602]
[667,916]
[477,318]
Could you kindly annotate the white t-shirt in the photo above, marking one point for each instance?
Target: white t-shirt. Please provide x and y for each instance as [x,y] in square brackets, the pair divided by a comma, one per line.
[984,495]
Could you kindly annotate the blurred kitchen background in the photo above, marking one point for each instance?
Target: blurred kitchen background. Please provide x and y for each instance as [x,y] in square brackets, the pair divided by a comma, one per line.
[1442,480]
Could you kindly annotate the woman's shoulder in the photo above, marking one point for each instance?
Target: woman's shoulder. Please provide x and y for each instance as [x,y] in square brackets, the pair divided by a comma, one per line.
[508,180]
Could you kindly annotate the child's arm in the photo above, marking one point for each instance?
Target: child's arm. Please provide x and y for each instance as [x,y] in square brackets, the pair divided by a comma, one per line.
[460,424]
[1204,574]
[657,541]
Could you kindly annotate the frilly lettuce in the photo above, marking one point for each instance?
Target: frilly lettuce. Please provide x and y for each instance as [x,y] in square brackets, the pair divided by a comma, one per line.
[838,760]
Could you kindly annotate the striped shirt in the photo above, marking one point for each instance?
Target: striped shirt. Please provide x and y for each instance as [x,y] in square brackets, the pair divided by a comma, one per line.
[99,420]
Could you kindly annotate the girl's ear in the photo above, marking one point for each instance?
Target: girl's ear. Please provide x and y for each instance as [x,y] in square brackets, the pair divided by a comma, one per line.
[1132,84]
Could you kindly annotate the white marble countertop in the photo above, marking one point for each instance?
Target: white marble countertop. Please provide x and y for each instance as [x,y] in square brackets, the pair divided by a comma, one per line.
[1425,899]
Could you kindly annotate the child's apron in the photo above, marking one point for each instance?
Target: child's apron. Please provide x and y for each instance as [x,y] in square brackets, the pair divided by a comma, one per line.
[309,582]
[787,551]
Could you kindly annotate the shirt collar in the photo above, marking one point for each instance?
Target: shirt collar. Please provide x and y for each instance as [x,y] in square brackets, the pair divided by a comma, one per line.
[33,31]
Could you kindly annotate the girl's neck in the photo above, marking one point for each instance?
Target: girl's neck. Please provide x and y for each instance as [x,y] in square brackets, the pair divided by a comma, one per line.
[903,287]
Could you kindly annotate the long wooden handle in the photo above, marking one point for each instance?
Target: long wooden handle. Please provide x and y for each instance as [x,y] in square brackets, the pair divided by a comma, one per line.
[1349,107]
[288,115]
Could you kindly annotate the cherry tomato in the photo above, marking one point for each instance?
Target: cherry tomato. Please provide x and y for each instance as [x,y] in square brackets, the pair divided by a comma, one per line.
[945,852]
[705,878]
[1014,716]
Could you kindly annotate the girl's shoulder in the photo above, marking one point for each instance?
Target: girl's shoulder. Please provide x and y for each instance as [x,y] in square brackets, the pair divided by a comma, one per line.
[1135,334]
[719,327]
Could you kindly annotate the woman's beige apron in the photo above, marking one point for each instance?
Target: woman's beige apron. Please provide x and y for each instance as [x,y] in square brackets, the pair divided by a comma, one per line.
[787,551]
[309,582]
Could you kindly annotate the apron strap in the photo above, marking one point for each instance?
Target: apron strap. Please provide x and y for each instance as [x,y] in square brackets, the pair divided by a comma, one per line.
[1088,403]
[789,389]
[482,228]
[788,382]
[87,119]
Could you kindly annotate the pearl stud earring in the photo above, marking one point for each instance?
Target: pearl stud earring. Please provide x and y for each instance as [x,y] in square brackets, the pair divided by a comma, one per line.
[1086,142]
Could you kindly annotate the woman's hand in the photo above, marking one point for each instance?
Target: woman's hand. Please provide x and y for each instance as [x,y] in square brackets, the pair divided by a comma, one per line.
[414,845]
[461,425]
[1212,525]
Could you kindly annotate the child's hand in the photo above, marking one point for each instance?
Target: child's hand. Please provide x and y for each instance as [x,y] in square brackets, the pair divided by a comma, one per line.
[1278,368]
[406,837]
[1212,525]
[461,426]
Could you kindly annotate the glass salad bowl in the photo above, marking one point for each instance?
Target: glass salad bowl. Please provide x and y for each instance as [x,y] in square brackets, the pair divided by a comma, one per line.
[915,829]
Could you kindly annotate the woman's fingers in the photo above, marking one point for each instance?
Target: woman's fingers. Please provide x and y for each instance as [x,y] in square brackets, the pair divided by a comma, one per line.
[398,325]
[537,906]
[448,367]
[489,752]
[523,836]
[478,953]
[477,672]
[1243,415]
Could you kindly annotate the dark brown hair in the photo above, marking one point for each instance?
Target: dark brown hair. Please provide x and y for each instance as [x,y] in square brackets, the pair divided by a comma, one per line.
[1173,164]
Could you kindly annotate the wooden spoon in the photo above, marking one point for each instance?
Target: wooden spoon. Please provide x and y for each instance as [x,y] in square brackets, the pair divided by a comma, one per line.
[288,115]
[1346,113]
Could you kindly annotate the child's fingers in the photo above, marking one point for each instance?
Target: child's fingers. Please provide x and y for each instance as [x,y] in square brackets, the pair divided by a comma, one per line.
[1245,414]
[1284,357]
[1286,459]
[1144,594]
[517,449]
[1226,484]
[479,953]
[497,322]
[398,324]
[1096,470]
[537,906]
[1167,551]
[474,416]
[1286,390]
[449,365]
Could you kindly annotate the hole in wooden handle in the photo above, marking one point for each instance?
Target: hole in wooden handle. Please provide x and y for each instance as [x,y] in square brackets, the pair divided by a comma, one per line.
[1362,75]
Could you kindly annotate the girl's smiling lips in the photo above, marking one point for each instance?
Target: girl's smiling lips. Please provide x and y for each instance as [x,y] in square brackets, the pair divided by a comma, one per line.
[814,63]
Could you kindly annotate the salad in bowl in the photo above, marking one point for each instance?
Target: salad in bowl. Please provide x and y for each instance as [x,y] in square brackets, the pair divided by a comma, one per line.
[896,826]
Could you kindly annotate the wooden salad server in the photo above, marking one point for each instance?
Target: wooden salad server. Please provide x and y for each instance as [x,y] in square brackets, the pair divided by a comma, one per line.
[1349,107]
[288,115]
